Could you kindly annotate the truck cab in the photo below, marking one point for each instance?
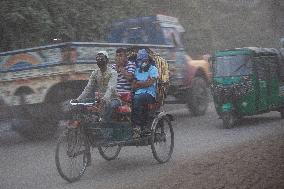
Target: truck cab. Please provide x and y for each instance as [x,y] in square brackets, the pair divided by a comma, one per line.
[159,29]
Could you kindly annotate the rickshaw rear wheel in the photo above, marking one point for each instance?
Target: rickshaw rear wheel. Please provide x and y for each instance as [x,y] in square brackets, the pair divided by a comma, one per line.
[72,155]
[229,120]
[162,139]
[109,152]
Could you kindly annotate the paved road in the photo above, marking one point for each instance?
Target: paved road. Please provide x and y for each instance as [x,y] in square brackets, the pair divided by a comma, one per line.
[30,165]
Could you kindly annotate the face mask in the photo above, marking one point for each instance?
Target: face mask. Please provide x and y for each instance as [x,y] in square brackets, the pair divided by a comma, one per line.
[100,64]
[143,65]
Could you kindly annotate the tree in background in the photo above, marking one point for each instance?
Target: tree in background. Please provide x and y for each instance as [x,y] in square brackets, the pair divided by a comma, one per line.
[28,23]
[209,25]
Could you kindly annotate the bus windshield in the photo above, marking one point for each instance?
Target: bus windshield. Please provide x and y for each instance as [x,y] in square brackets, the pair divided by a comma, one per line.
[236,65]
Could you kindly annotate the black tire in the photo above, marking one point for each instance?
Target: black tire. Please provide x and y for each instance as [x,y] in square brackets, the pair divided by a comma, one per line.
[161,129]
[34,130]
[229,120]
[40,121]
[32,125]
[76,147]
[109,152]
[198,98]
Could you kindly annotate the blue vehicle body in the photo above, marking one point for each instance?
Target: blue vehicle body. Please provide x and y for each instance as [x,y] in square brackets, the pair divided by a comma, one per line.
[158,29]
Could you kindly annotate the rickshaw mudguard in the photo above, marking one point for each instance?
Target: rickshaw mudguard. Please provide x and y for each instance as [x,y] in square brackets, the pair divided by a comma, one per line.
[162,114]
[159,116]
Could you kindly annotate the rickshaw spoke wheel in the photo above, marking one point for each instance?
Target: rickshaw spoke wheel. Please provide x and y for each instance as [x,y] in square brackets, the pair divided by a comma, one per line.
[162,140]
[109,152]
[71,155]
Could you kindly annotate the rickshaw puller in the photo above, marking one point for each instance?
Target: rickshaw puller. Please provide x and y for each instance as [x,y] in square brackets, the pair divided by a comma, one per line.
[104,80]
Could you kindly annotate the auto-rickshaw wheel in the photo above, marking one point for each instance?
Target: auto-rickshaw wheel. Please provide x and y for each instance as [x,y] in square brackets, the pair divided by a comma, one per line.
[282,113]
[229,120]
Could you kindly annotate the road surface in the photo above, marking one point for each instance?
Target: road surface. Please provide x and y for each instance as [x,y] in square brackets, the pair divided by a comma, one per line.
[203,155]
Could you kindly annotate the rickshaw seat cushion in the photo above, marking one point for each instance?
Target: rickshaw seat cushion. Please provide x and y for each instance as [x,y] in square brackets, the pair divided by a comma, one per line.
[125,96]
[123,109]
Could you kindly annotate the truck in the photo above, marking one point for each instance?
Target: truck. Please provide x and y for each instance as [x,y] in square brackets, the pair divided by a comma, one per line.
[35,82]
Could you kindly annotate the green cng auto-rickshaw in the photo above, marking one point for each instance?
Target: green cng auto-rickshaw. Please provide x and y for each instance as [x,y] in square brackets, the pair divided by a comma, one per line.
[247,81]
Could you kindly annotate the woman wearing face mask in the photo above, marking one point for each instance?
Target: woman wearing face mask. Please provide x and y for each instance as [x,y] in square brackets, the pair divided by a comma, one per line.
[144,87]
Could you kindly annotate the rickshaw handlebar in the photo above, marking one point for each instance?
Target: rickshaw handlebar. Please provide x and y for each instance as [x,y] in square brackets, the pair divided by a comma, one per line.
[75,102]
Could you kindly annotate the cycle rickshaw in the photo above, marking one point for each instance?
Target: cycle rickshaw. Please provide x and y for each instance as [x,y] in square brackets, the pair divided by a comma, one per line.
[85,130]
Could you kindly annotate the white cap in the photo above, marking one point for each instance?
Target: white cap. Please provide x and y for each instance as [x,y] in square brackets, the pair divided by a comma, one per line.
[104,53]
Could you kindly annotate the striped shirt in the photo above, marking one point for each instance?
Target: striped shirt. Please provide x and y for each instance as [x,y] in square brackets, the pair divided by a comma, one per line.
[123,85]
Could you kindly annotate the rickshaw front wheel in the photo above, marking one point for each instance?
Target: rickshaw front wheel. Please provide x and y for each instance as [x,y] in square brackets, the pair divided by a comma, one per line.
[229,119]
[109,152]
[72,155]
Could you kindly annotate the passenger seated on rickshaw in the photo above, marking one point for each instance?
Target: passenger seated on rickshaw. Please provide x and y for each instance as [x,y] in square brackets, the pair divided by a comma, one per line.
[144,87]
[125,69]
